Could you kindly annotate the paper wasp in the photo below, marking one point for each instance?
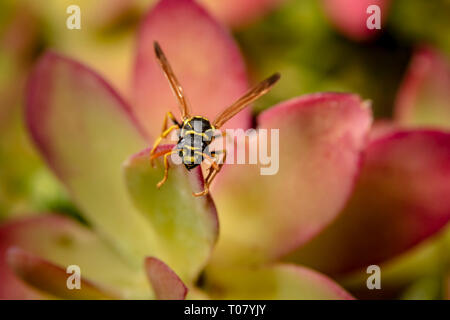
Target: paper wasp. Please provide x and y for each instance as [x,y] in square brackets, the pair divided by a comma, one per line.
[197,132]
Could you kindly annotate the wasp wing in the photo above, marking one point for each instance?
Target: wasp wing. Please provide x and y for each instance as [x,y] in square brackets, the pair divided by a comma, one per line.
[176,87]
[260,89]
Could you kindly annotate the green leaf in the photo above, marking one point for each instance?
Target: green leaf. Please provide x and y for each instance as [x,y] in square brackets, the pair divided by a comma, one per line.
[187,226]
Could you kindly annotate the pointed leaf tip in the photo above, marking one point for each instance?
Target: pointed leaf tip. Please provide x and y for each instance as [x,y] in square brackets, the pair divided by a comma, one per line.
[424,96]
[166,284]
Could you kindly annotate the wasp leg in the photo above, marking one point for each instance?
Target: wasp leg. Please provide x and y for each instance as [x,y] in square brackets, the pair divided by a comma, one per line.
[158,141]
[210,159]
[213,155]
[224,136]
[166,167]
[169,115]
[165,132]
[212,172]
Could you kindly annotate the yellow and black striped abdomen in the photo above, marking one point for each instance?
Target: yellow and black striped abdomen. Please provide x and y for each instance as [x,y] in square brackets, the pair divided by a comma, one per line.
[196,135]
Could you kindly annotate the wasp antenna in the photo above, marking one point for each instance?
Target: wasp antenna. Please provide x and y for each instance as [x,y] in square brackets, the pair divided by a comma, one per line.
[174,83]
[257,91]
[158,50]
[264,86]
[273,79]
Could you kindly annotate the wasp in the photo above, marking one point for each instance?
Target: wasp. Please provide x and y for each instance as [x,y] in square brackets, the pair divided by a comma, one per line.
[196,133]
